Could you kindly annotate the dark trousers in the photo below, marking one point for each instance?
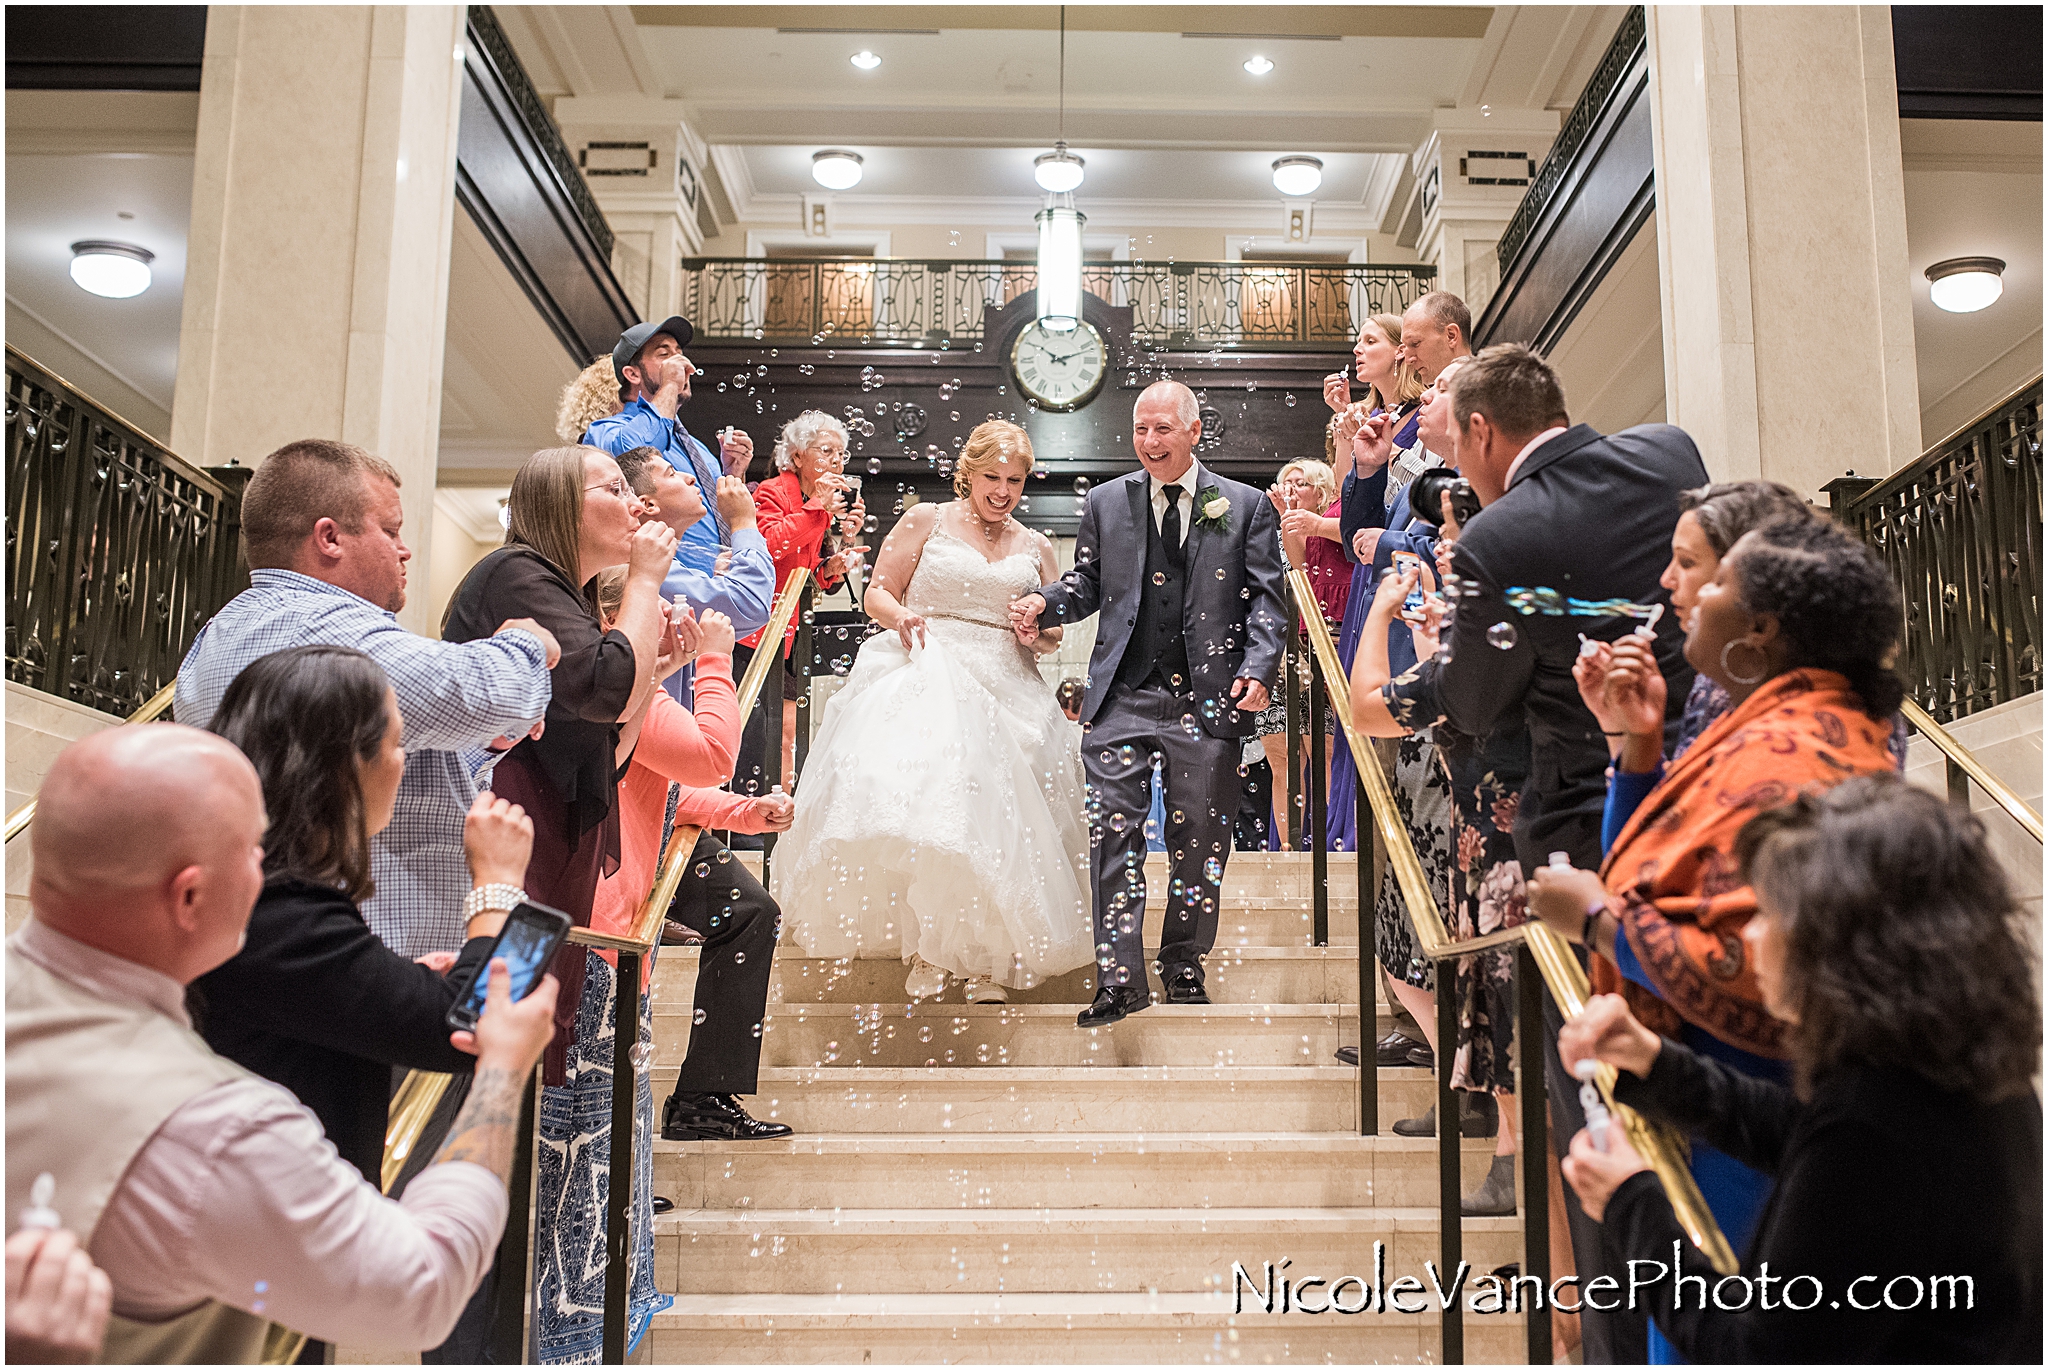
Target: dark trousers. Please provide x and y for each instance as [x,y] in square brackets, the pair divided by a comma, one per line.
[740,923]
[1201,802]
[1255,806]
[752,775]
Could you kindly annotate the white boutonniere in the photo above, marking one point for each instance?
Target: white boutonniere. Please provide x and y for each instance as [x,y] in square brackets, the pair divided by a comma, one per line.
[1212,510]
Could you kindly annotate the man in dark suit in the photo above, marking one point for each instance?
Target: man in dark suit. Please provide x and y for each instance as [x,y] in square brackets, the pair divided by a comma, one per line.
[1184,566]
[1566,514]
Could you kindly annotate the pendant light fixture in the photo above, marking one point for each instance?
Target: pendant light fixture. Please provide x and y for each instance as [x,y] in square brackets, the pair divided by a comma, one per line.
[1059,223]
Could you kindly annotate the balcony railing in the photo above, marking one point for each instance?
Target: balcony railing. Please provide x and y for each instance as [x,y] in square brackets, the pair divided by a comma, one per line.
[868,301]
[1961,530]
[485,31]
[117,550]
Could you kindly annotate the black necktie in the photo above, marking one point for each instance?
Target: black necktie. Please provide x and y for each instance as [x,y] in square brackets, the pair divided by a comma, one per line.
[1169,527]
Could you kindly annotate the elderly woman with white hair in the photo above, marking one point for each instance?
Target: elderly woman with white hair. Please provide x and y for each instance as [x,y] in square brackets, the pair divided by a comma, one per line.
[809,500]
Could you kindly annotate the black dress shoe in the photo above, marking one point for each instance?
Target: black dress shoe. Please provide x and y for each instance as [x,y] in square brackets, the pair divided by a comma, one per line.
[714,1118]
[1347,1056]
[674,934]
[1421,1057]
[1477,1117]
[1184,986]
[662,1205]
[1113,1004]
[1393,1048]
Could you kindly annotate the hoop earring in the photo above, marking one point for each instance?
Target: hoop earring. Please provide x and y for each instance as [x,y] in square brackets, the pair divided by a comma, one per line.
[1728,671]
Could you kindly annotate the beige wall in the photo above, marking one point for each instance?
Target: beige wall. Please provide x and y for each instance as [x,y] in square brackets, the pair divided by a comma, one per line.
[2007,740]
[38,727]
[451,552]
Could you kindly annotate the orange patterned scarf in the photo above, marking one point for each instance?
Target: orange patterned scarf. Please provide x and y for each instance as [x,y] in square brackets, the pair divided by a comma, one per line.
[1672,876]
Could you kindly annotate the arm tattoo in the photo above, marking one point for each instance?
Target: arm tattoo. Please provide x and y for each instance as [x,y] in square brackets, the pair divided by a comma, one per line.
[484,1131]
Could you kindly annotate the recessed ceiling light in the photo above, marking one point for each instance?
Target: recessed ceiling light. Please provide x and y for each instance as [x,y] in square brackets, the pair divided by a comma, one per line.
[1297,176]
[1058,171]
[116,271]
[836,169]
[1258,66]
[1964,285]
[865,60]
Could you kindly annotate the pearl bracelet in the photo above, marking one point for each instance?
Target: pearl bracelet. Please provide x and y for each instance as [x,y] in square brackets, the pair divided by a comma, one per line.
[493,898]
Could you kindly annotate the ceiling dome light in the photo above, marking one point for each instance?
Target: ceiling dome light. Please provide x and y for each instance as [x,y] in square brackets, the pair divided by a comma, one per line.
[1297,176]
[836,169]
[1258,66]
[1058,171]
[114,270]
[1964,285]
[865,60]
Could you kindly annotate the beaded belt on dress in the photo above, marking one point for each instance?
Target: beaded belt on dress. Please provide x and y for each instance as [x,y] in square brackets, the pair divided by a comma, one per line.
[962,618]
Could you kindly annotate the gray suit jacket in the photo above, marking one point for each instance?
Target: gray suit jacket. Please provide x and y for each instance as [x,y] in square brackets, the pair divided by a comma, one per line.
[1236,600]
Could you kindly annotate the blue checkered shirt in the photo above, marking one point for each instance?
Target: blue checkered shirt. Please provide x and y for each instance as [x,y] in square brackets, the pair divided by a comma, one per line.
[455,698]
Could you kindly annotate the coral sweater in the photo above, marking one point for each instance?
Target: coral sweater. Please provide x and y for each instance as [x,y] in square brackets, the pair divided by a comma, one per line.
[696,751]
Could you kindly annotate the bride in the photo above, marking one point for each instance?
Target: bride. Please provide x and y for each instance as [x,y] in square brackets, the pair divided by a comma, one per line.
[939,814]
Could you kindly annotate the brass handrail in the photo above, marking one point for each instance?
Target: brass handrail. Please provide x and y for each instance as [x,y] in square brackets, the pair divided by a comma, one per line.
[2001,793]
[1560,970]
[148,713]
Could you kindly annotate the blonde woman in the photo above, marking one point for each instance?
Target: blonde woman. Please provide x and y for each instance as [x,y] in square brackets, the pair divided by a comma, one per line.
[1306,496]
[940,820]
[593,395]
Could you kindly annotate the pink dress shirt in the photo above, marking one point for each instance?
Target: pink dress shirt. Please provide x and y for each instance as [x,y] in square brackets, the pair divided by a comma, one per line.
[239,1197]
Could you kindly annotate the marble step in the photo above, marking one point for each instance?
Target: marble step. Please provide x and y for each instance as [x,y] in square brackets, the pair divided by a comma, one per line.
[1245,874]
[1320,1097]
[1137,1328]
[955,1171]
[1041,1249]
[851,1035]
[1234,975]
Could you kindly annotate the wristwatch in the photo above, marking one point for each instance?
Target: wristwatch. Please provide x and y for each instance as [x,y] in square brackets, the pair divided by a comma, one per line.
[492,898]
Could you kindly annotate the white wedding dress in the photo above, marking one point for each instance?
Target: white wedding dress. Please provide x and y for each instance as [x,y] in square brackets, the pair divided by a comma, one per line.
[939,811]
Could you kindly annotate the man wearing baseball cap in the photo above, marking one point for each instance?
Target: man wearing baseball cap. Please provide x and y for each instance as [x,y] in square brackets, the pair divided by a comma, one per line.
[654,380]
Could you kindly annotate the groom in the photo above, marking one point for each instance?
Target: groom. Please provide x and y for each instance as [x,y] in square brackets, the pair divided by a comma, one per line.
[1184,566]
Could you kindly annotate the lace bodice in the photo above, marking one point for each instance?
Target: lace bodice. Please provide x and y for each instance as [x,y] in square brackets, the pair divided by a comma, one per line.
[954,581]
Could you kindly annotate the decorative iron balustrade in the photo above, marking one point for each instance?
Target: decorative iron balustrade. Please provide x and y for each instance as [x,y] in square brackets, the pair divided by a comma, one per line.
[533,112]
[117,550]
[1620,56]
[1961,531]
[864,301]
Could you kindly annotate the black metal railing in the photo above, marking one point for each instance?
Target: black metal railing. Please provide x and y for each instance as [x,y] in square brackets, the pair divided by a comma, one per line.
[1620,57]
[898,301]
[1961,531]
[118,550]
[533,112]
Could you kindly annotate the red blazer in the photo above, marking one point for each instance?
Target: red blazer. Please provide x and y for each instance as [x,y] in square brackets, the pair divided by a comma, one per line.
[794,534]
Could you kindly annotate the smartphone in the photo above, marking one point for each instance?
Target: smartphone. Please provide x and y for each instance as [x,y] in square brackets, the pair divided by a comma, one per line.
[528,941]
[1464,501]
[1411,607]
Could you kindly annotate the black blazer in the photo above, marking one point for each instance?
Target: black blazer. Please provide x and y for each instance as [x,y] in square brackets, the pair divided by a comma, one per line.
[1236,599]
[1591,518]
[1881,1175]
[315,1002]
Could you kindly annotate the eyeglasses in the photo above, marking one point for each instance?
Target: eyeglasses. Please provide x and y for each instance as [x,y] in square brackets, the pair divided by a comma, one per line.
[616,488]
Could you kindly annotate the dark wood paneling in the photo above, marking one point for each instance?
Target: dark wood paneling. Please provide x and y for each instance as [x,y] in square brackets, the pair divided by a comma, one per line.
[1607,195]
[1968,61]
[1270,406]
[105,47]
[505,182]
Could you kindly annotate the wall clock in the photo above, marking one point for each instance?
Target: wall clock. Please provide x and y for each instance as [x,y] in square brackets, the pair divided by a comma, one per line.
[1061,371]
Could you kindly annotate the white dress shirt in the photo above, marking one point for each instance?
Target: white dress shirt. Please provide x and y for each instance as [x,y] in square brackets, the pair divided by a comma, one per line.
[1190,481]
[240,1197]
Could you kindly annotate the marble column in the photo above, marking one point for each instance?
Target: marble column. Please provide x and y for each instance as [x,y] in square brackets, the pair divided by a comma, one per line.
[1781,240]
[1472,173]
[316,293]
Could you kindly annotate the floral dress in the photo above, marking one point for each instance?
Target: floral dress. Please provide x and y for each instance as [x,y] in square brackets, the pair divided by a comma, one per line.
[1487,777]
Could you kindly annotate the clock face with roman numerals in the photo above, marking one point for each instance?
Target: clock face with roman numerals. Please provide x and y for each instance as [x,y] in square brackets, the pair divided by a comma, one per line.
[1059,370]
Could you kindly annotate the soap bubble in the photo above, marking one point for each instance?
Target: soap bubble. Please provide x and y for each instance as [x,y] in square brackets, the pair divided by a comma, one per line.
[1501,635]
[1290,400]
[1082,485]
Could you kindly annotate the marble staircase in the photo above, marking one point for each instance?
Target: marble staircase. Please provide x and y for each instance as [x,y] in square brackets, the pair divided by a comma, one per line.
[989,1183]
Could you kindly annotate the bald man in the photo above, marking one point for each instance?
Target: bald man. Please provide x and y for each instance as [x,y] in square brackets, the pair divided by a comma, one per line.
[209,1196]
[1184,567]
